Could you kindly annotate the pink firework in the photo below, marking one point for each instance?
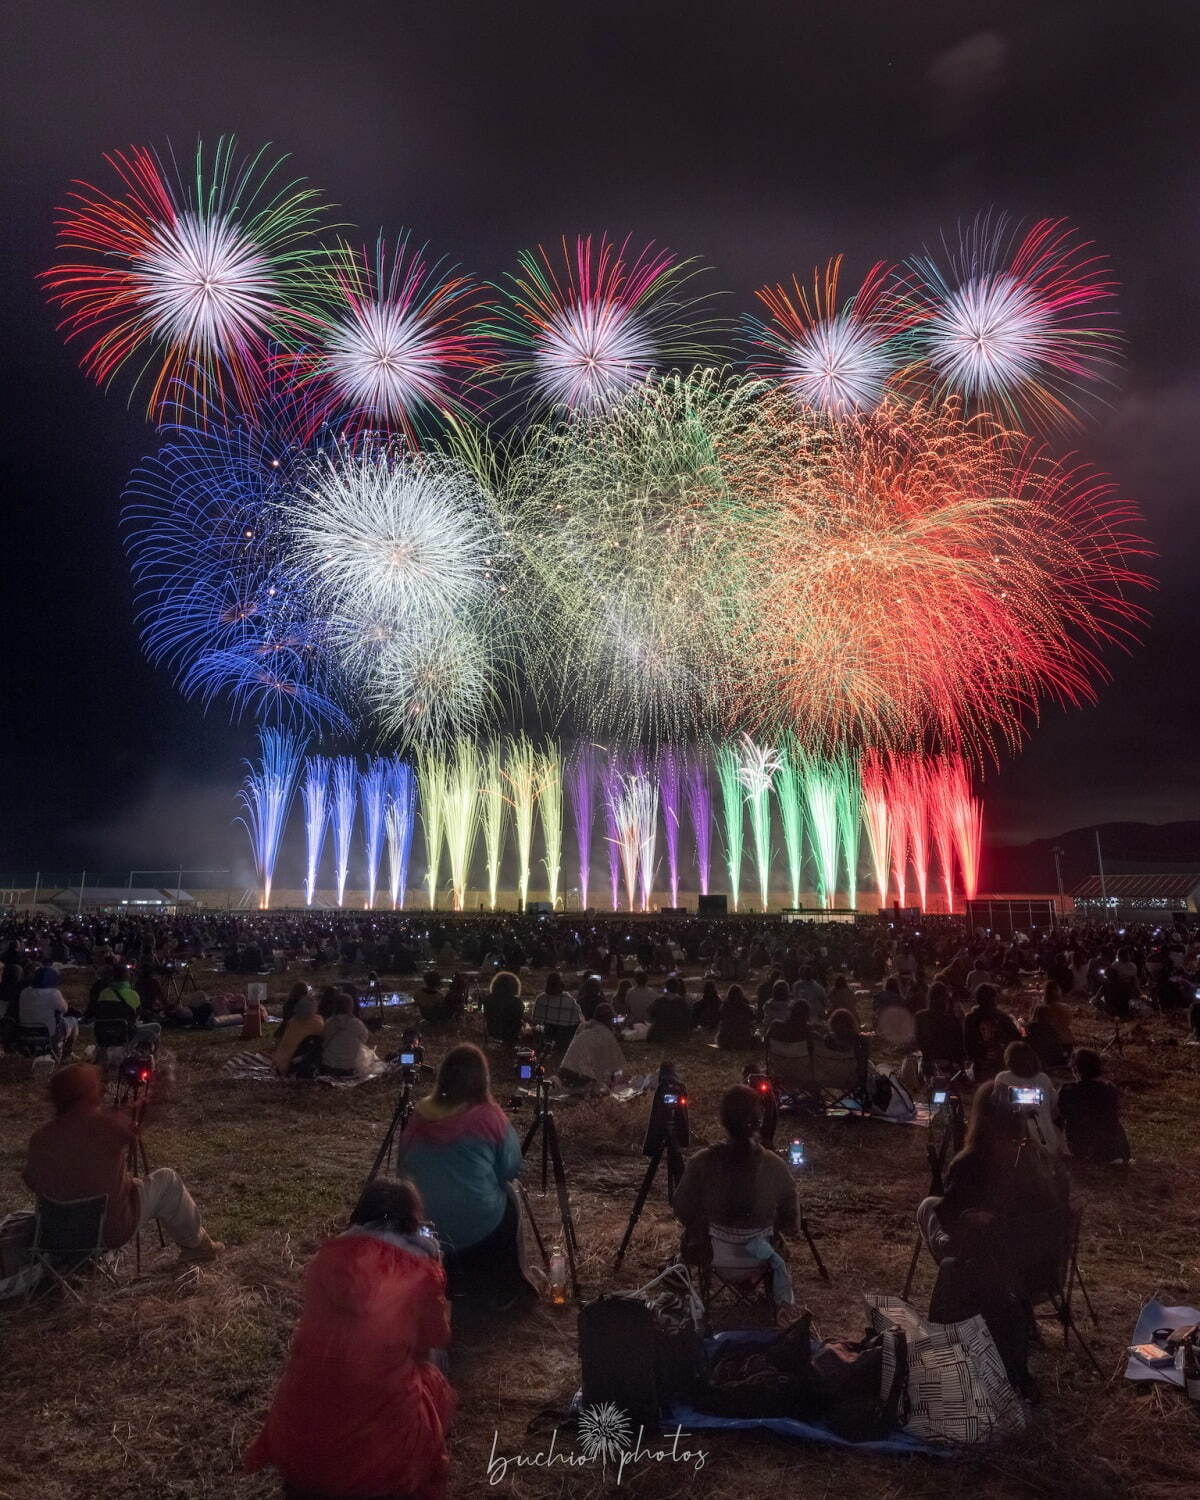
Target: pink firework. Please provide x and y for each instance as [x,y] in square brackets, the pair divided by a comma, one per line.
[194,278]
[585,329]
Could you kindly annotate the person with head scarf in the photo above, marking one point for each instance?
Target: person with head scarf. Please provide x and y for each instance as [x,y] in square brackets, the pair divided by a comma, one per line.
[84,1152]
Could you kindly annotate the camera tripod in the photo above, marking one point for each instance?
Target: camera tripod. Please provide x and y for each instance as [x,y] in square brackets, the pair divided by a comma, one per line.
[543,1124]
[178,987]
[137,1163]
[952,1135]
[400,1115]
[668,1146]
[1116,1042]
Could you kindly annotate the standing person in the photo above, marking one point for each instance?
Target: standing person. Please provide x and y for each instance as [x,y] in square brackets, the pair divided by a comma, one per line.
[462,1153]
[360,1408]
[83,1152]
[41,1003]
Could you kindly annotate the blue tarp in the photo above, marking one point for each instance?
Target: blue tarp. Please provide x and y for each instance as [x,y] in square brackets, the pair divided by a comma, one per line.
[805,1432]
[1154,1315]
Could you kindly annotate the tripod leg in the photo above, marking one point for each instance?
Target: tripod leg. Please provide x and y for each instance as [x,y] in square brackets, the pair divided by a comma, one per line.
[812,1245]
[564,1204]
[639,1203]
[533,1224]
[912,1269]
[1084,1292]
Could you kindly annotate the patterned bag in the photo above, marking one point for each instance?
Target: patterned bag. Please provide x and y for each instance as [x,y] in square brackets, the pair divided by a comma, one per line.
[958,1391]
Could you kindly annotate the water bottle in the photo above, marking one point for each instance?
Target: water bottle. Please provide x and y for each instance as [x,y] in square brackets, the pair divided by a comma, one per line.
[558,1277]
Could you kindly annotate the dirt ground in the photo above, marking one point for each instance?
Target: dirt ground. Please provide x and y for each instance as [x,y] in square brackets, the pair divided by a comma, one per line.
[156,1389]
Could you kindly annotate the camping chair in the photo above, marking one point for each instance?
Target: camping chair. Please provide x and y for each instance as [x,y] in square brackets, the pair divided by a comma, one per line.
[735,1276]
[37,1041]
[837,1080]
[1059,1293]
[112,1033]
[69,1238]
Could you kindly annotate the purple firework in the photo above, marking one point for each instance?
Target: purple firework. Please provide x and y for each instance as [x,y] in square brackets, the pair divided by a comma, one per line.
[581,781]
[670,792]
[699,801]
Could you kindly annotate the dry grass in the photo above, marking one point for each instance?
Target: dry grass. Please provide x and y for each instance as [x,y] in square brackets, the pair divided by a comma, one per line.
[156,1390]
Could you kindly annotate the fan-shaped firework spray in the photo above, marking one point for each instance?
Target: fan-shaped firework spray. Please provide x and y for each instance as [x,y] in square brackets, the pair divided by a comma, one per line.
[493,809]
[398,820]
[550,815]
[266,796]
[432,780]
[699,801]
[759,767]
[461,816]
[729,778]
[670,788]
[585,329]
[521,774]
[193,276]
[315,792]
[344,789]
[790,794]
[582,772]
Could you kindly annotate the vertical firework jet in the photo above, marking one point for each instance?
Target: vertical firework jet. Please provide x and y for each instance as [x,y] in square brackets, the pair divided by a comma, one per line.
[372,797]
[699,801]
[461,816]
[344,780]
[521,774]
[611,780]
[877,821]
[266,796]
[757,772]
[670,786]
[493,810]
[849,821]
[315,792]
[729,778]
[582,773]
[821,798]
[550,815]
[398,820]
[790,794]
[432,775]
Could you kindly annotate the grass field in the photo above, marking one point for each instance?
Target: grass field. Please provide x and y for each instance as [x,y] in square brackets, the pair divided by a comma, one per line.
[155,1391]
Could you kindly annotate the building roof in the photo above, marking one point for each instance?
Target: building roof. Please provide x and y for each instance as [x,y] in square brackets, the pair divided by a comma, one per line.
[1139,887]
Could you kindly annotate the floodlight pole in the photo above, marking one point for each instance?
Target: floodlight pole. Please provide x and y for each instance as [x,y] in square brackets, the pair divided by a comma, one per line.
[1100,867]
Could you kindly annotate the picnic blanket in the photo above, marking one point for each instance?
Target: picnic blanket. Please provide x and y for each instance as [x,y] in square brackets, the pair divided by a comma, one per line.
[255,1067]
[1152,1317]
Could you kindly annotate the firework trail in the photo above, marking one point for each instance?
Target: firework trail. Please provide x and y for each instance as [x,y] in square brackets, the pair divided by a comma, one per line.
[191,276]
[433,776]
[938,777]
[581,774]
[582,331]
[789,792]
[398,820]
[390,349]
[461,816]
[550,815]
[266,796]
[699,801]
[315,794]
[913,773]
[611,782]
[967,817]
[729,778]
[759,767]
[1015,323]
[902,814]
[493,805]
[820,782]
[521,774]
[834,357]
[876,812]
[344,784]
[372,799]
[849,820]
[670,788]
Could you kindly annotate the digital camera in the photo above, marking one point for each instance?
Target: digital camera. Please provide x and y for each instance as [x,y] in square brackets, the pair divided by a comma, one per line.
[795,1153]
[529,1067]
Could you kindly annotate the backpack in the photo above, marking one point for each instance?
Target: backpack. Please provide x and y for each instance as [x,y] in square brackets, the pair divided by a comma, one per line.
[616,1353]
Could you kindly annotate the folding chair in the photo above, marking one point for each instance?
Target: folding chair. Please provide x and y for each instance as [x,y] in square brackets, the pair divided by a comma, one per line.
[838,1081]
[37,1041]
[735,1276]
[69,1237]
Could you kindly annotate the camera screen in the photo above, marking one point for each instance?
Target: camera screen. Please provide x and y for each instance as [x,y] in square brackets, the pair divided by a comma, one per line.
[670,1098]
[1027,1096]
[525,1071]
[939,1098]
[408,1059]
[796,1154]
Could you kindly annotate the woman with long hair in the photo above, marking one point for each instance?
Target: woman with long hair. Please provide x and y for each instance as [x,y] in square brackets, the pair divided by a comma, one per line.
[462,1152]
[361,1409]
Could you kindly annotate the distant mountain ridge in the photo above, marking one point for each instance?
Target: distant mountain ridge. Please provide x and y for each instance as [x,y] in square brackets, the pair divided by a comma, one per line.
[1127,848]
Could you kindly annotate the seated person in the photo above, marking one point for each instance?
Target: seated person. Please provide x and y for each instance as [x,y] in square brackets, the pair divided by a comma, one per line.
[706,1012]
[556,1012]
[303,1031]
[118,1000]
[594,1055]
[1090,1112]
[987,1030]
[639,999]
[840,1059]
[670,1014]
[327,1004]
[1023,1070]
[461,1151]
[360,1408]
[503,1011]
[790,1046]
[41,1003]
[841,996]
[736,1022]
[1043,1036]
[84,1152]
[1058,1013]
[806,988]
[591,993]
[779,1004]
[939,1033]
[344,1042]
[437,1009]
[301,991]
[736,1185]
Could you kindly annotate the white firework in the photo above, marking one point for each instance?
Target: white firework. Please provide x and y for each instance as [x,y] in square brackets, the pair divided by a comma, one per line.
[988,335]
[391,541]
[434,686]
[839,365]
[590,353]
[605,1432]
[385,360]
[206,284]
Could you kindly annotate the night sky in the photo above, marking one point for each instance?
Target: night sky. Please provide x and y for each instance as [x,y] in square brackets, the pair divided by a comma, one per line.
[761,137]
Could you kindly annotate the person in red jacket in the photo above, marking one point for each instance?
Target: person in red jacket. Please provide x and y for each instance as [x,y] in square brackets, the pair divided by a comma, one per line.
[361,1409]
